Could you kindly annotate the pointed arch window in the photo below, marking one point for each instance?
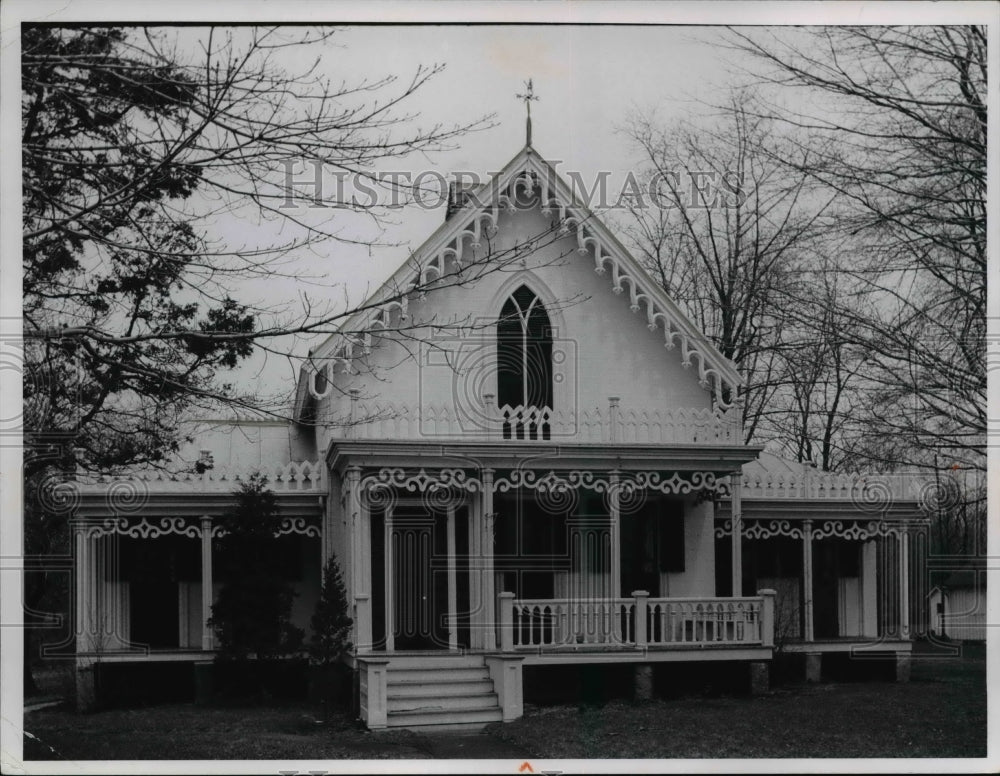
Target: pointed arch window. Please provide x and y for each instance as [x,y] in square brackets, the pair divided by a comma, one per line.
[524,358]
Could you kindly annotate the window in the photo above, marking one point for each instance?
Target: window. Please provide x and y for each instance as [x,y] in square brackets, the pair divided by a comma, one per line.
[671,535]
[524,365]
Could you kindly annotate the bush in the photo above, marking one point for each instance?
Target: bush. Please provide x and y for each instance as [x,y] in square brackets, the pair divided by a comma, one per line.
[252,615]
[331,624]
[331,629]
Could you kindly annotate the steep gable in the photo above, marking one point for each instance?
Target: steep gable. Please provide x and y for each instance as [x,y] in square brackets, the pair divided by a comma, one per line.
[446,252]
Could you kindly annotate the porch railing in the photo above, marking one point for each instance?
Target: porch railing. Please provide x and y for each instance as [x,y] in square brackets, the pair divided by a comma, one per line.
[611,423]
[870,492]
[291,477]
[639,621]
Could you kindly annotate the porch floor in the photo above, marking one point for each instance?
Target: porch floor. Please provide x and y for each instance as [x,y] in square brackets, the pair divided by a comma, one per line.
[582,654]
[850,644]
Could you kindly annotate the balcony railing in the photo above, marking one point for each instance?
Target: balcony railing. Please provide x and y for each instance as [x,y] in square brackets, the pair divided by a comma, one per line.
[637,622]
[296,476]
[870,492]
[680,425]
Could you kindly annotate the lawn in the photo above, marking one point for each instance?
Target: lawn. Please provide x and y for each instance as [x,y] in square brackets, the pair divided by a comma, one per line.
[189,732]
[940,713]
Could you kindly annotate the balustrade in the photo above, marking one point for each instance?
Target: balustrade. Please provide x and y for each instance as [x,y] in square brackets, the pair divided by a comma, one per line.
[638,621]
[613,423]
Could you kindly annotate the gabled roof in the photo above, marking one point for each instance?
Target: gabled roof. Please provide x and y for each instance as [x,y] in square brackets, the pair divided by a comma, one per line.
[444,249]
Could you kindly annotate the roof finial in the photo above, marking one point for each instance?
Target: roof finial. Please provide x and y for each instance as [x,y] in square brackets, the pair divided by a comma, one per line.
[528,96]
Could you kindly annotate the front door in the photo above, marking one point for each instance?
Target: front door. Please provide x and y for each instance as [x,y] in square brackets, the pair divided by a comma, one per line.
[420,584]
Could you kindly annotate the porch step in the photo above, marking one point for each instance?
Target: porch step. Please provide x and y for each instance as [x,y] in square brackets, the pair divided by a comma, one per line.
[431,674]
[469,720]
[452,691]
[412,689]
[399,662]
[438,702]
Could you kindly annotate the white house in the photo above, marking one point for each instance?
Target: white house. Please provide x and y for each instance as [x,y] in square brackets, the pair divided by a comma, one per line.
[553,473]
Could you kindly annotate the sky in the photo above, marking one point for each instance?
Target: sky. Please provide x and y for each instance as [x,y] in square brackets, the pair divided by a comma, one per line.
[588,81]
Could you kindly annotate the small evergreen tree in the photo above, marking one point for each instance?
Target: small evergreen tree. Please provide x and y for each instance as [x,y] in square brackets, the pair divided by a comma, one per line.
[331,624]
[252,615]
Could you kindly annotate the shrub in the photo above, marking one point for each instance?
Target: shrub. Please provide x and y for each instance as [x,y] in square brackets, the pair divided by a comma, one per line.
[252,615]
[331,624]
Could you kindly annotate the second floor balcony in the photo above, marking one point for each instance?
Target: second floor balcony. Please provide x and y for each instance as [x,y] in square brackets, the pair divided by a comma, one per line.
[612,423]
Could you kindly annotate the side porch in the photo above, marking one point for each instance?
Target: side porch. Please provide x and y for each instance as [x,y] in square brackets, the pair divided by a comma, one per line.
[146,569]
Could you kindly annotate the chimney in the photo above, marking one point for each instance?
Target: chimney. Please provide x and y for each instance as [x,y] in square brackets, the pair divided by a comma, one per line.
[459,194]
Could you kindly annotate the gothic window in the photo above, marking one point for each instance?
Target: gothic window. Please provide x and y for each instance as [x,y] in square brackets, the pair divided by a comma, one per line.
[524,359]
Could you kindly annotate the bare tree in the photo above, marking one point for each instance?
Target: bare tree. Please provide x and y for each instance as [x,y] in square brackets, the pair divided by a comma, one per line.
[894,122]
[140,148]
[725,234]
[813,410]
[163,171]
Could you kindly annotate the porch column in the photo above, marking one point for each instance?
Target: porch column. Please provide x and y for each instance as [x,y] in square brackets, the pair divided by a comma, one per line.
[489,583]
[452,583]
[869,589]
[736,480]
[475,576]
[390,618]
[904,584]
[616,535]
[84,599]
[353,503]
[358,523]
[207,640]
[363,529]
[807,580]
[85,678]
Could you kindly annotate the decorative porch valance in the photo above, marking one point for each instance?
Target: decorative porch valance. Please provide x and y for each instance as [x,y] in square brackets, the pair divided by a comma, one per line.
[180,526]
[628,488]
[861,530]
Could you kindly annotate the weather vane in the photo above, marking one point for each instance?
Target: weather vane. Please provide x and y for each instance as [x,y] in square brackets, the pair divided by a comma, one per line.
[528,96]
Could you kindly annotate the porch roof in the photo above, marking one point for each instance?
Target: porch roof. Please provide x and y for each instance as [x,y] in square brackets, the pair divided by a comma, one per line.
[778,488]
[510,454]
[99,502]
[798,509]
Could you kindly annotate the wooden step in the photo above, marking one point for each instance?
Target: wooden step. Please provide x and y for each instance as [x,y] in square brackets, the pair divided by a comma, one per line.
[472,718]
[440,692]
[438,703]
[435,676]
[435,661]
[416,689]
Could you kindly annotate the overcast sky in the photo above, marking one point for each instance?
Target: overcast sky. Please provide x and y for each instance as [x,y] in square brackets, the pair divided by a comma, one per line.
[587,80]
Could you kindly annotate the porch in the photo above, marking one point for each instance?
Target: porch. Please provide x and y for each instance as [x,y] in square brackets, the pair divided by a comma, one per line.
[461,576]
[467,688]
[637,628]
[146,573]
[436,553]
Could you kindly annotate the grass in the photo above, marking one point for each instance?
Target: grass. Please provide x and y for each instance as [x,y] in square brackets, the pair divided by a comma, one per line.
[189,732]
[56,680]
[941,712]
